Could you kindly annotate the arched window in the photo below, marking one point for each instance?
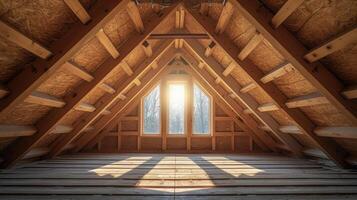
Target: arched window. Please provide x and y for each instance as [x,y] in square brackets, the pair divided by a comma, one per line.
[151,112]
[201,111]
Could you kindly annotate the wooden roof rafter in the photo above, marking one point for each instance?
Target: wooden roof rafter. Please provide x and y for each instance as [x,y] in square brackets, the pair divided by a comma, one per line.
[16,150]
[329,146]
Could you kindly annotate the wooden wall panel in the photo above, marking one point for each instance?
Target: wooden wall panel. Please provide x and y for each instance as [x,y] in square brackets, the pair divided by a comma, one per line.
[201,143]
[151,144]
[243,144]
[109,144]
[223,143]
[129,125]
[129,143]
[176,144]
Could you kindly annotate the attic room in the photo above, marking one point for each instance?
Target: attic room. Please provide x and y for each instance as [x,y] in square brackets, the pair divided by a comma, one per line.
[178,99]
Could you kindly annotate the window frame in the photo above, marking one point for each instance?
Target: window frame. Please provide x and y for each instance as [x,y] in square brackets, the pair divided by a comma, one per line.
[210,132]
[142,132]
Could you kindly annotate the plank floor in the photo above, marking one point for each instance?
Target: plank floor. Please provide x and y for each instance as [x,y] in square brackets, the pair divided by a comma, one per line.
[176,176]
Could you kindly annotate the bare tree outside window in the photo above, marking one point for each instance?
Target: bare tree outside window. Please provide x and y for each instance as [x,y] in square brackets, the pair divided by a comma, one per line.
[152,112]
[201,111]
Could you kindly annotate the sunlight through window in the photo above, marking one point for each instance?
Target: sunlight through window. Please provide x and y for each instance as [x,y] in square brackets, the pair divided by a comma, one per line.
[152,112]
[176,108]
[201,111]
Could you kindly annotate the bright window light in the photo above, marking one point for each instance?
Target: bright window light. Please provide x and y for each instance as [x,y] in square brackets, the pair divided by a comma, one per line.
[176,108]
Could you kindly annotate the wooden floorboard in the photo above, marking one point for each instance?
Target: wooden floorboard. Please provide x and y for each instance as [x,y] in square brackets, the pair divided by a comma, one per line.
[176,176]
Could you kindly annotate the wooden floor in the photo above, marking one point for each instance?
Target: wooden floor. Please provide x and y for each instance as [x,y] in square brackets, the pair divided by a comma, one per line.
[176,176]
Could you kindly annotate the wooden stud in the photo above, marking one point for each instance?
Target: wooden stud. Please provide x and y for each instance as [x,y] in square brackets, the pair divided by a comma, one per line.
[78,10]
[277,72]
[154,65]
[107,44]
[178,35]
[350,93]
[16,130]
[291,49]
[134,15]
[18,38]
[252,44]
[290,129]
[36,152]
[337,132]
[137,82]
[106,112]
[122,97]
[107,88]
[224,18]
[201,65]
[333,45]
[218,80]
[45,100]
[147,48]
[209,49]
[78,71]
[307,100]
[61,129]
[182,18]
[177,43]
[248,88]
[3,91]
[177,19]
[229,69]
[268,107]
[247,111]
[124,65]
[29,79]
[85,107]
[285,11]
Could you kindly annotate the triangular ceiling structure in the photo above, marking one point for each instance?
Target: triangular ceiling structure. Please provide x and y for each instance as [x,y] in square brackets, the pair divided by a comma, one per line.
[212,52]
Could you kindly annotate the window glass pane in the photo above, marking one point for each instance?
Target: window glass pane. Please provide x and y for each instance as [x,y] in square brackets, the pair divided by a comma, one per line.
[176,108]
[152,112]
[201,111]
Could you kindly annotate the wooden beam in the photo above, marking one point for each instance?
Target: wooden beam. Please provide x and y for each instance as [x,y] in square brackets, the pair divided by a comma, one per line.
[107,122]
[107,88]
[108,100]
[147,48]
[290,129]
[78,10]
[337,132]
[229,69]
[16,130]
[85,107]
[160,36]
[335,152]
[248,87]
[209,49]
[335,44]
[124,65]
[218,80]
[252,44]
[268,107]
[107,44]
[247,100]
[134,15]
[122,97]
[292,50]
[36,152]
[247,111]
[18,38]
[3,91]
[224,18]
[137,82]
[63,49]
[45,100]
[277,72]
[61,129]
[154,65]
[307,100]
[233,108]
[16,150]
[78,71]
[350,92]
[285,11]
[106,112]
[177,19]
